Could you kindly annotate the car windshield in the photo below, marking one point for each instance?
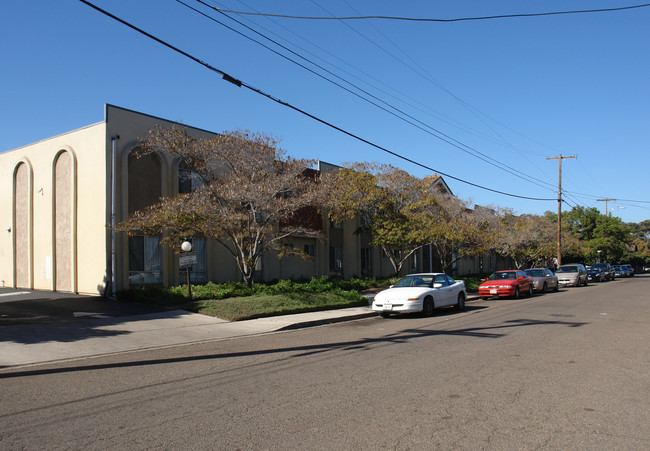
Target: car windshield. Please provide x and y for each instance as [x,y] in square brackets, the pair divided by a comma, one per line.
[503,275]
[567,269]
[415,281]
[535,272]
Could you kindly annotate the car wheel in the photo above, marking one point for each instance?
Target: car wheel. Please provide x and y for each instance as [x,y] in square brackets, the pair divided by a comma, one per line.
[545,288]
[460,305]
[485,298]
[384,314]
[530,291]
[427,307]
[516,296]
[586,282]
[556,288]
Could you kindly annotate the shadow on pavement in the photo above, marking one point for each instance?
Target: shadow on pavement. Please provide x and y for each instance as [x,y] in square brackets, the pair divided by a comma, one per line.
[405,336]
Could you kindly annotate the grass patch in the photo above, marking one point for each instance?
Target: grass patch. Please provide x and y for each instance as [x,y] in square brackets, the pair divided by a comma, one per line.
[473,281]
[235,301]
[261,306]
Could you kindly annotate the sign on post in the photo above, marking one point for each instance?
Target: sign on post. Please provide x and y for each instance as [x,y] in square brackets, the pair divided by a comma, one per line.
[188,259]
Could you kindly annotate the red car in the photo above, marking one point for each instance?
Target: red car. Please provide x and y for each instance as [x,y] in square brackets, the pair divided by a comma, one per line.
[508,283]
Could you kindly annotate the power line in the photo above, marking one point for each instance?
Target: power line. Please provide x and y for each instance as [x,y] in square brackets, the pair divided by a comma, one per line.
[240,84]
[417,123]
[458,19]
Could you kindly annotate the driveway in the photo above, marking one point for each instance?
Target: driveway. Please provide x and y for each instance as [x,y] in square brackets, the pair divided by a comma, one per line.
[44,307]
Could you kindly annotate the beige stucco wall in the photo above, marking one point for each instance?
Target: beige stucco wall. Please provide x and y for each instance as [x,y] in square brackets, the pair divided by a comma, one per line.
[64,207]
[81,216]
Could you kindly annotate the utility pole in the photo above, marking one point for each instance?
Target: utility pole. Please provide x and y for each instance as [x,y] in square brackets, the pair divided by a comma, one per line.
[606,200]
[559,206]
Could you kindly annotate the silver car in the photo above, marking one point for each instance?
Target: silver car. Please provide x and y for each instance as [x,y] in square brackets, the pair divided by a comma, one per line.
[572,274]
[543,279]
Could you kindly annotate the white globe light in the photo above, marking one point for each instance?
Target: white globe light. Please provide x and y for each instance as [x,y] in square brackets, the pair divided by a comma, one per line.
[186,246]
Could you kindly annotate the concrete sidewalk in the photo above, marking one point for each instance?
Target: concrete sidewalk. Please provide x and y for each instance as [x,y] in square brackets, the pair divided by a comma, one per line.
[46,343]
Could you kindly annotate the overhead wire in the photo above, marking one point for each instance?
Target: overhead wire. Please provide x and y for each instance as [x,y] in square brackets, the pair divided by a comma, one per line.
[458,19]
[430,78]
[400,97]
[427,76]
[240,83]
[418,124]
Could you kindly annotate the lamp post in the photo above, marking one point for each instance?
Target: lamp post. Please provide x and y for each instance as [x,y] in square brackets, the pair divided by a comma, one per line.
[187,247]
[598,255]
[615,208]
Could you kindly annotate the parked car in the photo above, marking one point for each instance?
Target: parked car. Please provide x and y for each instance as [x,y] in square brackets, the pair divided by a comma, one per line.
[510,283]
[595,274]
[421,293]
[605,269]
[572,274]
[620,271]
[630,269]
[543,279]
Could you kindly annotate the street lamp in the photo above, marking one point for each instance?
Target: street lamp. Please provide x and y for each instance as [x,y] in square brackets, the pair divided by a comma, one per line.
[599,251]
[186,247]
[615,208]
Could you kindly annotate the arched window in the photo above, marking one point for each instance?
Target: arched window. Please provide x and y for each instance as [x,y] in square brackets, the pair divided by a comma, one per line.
[144,184]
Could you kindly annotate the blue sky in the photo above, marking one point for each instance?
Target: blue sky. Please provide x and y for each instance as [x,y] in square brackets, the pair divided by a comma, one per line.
[505,94]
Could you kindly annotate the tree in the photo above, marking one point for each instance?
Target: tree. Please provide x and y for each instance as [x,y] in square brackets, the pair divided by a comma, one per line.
[404,213]
[530,239]
[598,232]
[382,197]
[454,230]
[249,199]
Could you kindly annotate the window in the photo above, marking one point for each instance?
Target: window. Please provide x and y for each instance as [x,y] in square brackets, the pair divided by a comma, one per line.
[366,261]
[309,249]
[188,181]
[144,260]
[441,279]
[336,224]
[199,271]
[397,254]
[336,258]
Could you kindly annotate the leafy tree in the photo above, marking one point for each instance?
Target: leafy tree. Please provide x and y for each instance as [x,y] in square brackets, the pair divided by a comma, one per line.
[382,197]
[249,198]
[453,229]
[404,213]
[529,240]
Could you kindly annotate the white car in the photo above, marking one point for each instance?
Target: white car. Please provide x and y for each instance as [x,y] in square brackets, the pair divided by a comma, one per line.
[421,293]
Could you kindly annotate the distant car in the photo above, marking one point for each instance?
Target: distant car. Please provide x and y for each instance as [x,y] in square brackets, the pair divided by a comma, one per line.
[572,274]
[606,270]
[510,283]
[543,279]
[595,274]
[621,271]
[421,293]
[630,269]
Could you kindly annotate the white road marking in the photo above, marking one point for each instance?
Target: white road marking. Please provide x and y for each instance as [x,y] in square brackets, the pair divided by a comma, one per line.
[93,315]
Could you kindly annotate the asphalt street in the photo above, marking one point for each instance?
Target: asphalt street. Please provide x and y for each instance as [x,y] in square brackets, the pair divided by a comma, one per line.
[567,370]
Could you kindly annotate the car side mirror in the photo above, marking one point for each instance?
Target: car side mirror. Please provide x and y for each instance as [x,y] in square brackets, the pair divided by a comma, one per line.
[437,285]
[521,277]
